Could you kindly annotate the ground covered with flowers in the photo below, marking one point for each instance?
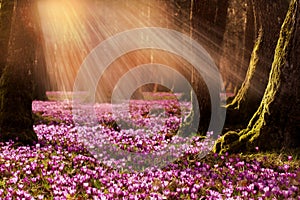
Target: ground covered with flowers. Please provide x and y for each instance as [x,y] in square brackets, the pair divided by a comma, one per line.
[60,166]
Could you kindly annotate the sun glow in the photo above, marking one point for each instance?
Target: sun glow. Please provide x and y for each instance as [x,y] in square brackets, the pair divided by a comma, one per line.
[72,29]
[62,26]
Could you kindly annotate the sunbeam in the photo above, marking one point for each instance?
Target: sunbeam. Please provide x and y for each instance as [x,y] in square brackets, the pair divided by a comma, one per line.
[72,29]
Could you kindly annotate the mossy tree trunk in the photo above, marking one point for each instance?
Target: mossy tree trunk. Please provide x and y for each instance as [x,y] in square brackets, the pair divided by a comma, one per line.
[238,38]
[275,124]
[267,18]
[16,83]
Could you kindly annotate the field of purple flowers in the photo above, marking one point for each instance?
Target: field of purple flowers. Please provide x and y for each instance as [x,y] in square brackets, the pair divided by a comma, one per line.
[60,166]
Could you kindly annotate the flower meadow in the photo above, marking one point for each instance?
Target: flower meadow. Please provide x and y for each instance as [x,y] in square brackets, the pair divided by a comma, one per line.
[61,166]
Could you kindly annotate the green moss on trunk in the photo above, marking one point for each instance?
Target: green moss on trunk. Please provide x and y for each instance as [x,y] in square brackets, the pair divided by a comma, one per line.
[267,22]
[238,109]
[242,93]
[260,131]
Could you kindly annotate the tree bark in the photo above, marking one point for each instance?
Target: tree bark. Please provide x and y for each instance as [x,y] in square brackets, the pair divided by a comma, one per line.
[276,122]
[267,20]
[209,23]
[16,120]
[5,28]
[238,38]
[204,22]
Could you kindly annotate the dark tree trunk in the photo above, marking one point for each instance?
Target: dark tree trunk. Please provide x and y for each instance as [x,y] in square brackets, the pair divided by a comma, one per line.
[5,27]
[204,22]
[267,19]
[238,39]
[291,91]
[209,19]
[275,124]
[16,120]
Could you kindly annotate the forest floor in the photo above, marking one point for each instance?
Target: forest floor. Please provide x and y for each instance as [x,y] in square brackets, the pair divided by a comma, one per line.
[62,165]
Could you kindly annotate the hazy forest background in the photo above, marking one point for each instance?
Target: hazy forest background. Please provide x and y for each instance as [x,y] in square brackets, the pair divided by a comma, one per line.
[254,44]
